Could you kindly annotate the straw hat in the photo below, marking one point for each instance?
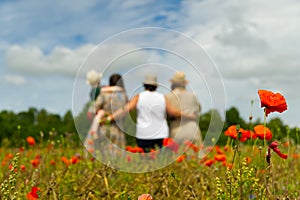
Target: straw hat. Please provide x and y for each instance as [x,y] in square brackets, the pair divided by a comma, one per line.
[93,78]
[150,79]
[179,78]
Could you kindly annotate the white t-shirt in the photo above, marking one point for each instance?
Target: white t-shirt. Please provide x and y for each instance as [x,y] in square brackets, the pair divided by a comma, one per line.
[151,116]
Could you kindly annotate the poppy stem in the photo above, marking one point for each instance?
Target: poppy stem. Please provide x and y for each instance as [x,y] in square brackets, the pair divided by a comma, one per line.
[265,125]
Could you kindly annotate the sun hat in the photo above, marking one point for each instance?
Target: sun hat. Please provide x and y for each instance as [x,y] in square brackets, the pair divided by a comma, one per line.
[179,78]
[93,78]
[150,79]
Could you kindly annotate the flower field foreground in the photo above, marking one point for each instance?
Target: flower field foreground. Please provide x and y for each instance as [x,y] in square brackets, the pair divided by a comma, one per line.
[53,172]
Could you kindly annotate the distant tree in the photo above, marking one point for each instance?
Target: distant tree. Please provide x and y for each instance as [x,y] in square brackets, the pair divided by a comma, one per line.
[212,121]
[233,117]
[68,121]
[8,124]
[295,134]
[82,124]
[277,127]
[16,127]
[69,127]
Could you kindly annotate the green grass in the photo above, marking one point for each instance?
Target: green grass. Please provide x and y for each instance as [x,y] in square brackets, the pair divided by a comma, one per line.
[189,179]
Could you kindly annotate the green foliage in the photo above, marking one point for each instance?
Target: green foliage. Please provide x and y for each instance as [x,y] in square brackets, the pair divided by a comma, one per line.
[82,123]
[233,117]
[241,183]
[8,186]
[15,127]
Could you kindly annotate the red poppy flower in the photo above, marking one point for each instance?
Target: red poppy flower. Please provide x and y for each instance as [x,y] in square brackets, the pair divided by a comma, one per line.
[92,159]
[128,148]
[229,165]
[286,144]
[30,140]
[21,149]
[203,159]
[91,150]
[128,158]
[145,197]
[263,132]
[181,158]
[247,134]
[134,149]
[90,142]
[192,146]
[23,168]
[248,160]
[209,149]
[233,133]
[35,163]
[209,163]
[295,155]
[171,144]
[273,102]
[38,157]
[9,156]
[218,149]
[220,157]
[52,162]
[226,148]
[65,160]
[74,160]
[33,194]
[152,154]
[274,147]
[11,168]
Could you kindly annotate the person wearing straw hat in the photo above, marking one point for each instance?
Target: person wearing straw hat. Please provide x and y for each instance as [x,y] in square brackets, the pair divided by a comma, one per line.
[152,108]
[182,130]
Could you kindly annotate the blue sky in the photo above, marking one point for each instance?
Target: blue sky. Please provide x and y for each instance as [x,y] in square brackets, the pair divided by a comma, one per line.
[255,45]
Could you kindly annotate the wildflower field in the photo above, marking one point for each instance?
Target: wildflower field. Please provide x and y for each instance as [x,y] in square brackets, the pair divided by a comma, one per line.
[251,165]
[59,172]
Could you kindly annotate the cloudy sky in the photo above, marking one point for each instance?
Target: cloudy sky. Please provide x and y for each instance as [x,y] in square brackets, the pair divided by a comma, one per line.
[45,50]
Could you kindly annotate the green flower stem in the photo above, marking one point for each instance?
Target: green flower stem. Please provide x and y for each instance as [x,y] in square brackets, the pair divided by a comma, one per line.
[265,125]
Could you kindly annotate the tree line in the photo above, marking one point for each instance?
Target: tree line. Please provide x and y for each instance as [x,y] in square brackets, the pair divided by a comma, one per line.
[43,125]
[40,124]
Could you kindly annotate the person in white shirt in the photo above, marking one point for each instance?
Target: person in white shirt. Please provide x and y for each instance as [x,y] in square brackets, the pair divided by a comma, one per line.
[152,109]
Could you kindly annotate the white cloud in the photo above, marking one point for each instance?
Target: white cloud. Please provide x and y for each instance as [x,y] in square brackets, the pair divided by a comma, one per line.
[248,38]
[15,79]
[255,45]
[32,60]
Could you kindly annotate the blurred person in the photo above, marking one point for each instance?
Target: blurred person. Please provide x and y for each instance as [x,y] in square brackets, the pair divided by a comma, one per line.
[111,99]
[182,130]
[93,79]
